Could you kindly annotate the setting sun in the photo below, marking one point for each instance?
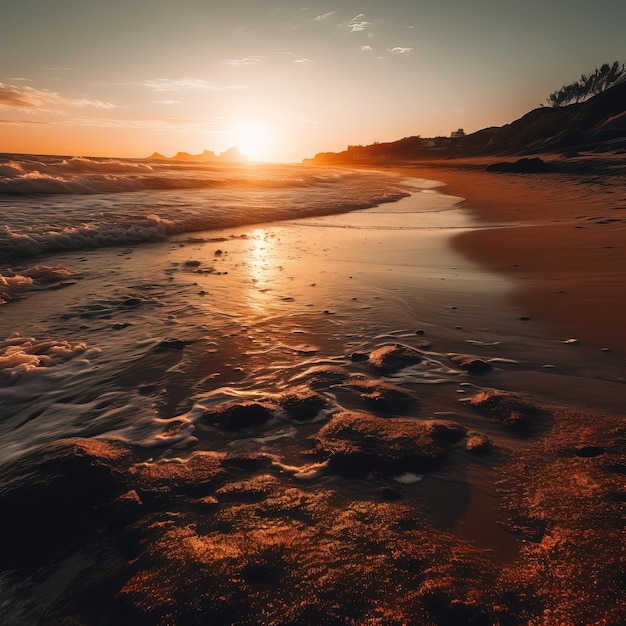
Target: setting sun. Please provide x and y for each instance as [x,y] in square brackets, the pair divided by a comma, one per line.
[254,141]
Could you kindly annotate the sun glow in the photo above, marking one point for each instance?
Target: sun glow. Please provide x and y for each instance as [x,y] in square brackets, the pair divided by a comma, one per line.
[254,141]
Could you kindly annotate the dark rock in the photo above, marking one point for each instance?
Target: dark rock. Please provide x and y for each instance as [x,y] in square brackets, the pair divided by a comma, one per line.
[506,408]
[471,364]
[522,166]
[393,357]
[302,403]
[235,415]
[356,357]
[359,443]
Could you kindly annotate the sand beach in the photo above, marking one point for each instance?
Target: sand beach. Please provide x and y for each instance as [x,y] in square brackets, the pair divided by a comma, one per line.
[563,235]
[377,417]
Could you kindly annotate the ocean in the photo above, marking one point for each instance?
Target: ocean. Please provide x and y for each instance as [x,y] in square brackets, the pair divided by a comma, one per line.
[135,294]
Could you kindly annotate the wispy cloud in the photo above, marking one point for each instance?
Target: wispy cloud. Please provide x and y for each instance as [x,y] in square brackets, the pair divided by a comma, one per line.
[168,101]
[21,122]
[250,60]
[11,96]
[305,61]
[180,84]
[324,16]
[24,97]
[20,79]
[357,23]
[399,50]
[86,102]
[366,48]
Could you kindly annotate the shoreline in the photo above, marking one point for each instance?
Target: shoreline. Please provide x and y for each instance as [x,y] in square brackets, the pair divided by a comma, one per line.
[558,237]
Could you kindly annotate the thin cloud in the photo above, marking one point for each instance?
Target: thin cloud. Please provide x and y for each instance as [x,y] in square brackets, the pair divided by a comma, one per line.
[21,122]
[86,102]
[29,98]
[180,84]
[324,16]
[305,61]
[399,50]
[251,60]
[11,96]
[357,23]
[20,79]
[366,48]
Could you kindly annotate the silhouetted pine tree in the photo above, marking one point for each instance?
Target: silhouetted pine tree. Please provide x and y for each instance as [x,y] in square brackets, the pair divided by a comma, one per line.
[589,85]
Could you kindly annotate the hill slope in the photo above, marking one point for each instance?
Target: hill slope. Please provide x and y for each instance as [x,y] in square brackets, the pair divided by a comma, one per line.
[598,124]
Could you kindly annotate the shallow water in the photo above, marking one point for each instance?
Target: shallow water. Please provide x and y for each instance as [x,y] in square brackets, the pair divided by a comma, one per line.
[252,308]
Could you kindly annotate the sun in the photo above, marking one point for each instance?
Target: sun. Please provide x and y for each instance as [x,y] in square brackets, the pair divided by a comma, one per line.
[254,141]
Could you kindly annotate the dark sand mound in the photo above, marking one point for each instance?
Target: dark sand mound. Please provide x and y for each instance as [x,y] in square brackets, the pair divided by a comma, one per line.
[105,536]
[359,444]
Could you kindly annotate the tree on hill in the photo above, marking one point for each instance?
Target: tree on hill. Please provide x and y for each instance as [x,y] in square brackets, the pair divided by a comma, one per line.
[589,85]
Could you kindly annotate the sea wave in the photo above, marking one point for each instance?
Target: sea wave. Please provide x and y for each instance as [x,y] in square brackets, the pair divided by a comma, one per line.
[48,204]
[22,175]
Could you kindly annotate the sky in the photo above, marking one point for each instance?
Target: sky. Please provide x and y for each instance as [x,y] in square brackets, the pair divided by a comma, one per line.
[283,80]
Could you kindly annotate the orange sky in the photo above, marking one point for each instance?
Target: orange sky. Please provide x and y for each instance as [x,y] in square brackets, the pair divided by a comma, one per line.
[281,81]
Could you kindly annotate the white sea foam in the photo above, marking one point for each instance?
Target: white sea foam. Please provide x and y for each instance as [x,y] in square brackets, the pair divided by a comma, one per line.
[51,204]
[408,478]
[305,473]
[32,278]
[20,356]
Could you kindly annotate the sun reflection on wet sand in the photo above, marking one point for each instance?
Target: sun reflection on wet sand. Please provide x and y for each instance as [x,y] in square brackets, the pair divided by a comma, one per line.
[261,270]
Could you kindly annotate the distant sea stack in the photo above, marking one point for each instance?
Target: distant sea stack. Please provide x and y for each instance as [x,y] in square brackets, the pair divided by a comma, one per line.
[232,155]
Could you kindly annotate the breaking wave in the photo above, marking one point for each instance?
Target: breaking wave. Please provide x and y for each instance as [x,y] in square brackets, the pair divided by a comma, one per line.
[55,204]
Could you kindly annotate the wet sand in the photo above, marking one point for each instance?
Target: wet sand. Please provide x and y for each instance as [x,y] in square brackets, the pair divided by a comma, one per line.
[560,237]
[417,495]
